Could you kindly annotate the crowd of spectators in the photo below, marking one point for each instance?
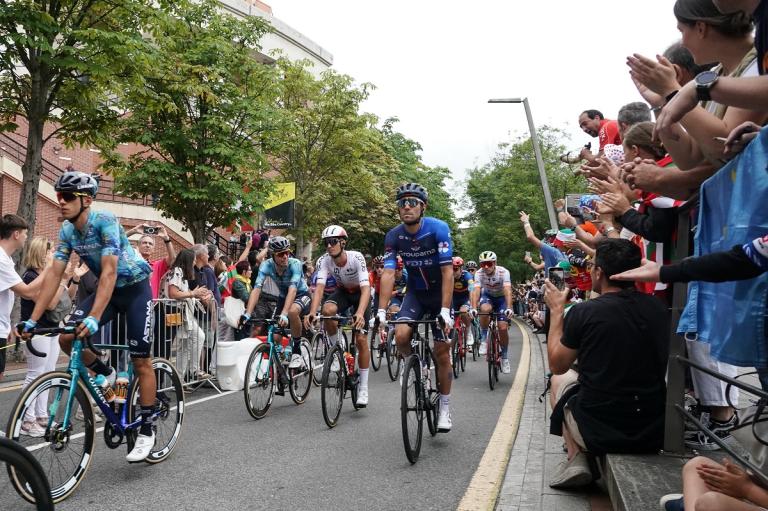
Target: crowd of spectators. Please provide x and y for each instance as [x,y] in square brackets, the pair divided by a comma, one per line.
[703,159]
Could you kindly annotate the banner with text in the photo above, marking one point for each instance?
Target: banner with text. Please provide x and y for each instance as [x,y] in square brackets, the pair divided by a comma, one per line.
[279,208]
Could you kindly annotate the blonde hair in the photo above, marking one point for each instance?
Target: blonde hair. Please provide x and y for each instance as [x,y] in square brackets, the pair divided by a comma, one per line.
[641,135]
[36,252]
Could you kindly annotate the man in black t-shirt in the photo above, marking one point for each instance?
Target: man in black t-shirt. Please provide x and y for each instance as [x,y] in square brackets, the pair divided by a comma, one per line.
[615,402]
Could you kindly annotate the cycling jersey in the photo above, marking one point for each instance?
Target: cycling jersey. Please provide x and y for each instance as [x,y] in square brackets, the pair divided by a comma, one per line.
[351,277]
[330,284]
[103,236]
[463,285]
[423,253]
[401,284]
[291,277]
[493,284]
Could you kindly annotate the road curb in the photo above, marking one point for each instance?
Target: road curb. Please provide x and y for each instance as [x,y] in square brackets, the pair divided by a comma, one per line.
[483,489]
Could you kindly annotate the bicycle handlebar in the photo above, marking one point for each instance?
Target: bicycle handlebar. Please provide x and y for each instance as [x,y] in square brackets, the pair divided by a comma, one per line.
[69,329]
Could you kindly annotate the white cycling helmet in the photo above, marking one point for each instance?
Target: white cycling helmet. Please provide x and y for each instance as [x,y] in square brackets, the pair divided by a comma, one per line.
[334,231]
[487,256]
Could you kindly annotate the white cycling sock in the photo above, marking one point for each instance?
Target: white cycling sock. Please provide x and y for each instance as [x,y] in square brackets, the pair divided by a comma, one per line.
[364,378]
[445,401]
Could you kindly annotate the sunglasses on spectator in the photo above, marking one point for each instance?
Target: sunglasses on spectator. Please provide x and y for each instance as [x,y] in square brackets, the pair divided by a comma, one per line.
[487,264]
[331,241]
[69,196]
[411,202]
[282,254]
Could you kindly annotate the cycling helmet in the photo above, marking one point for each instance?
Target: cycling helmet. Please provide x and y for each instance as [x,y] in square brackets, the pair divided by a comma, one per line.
[399,264]
[458,262]
[77,182]
[334,231]
[471,265]
[487,256]
[378,260]
[279,244]
[412,190]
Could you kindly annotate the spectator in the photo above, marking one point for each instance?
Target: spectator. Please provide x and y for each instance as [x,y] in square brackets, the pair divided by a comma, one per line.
[39,256]
[594,124]
[615,402]
[13,235]
[146,248]
[241,286]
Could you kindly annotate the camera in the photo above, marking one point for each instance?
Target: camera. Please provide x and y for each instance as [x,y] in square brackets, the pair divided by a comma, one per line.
[557,277]
[148,229]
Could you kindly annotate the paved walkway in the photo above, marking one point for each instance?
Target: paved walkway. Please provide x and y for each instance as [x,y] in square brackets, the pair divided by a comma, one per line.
[536,454]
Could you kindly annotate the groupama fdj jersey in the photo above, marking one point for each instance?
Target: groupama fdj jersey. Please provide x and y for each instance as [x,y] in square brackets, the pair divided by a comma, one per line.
[423,253]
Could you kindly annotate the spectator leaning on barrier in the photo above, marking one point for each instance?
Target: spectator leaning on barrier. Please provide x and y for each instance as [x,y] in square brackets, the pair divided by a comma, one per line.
[615,402]
[146,246]
[594,124]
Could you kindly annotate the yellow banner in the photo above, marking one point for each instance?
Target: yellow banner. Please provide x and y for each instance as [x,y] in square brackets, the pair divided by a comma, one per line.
[283,193]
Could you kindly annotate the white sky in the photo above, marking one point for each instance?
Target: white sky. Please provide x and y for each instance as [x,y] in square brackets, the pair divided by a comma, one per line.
[436,63]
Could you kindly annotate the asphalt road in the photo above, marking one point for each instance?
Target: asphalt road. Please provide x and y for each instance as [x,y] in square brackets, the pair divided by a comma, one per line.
[290,459]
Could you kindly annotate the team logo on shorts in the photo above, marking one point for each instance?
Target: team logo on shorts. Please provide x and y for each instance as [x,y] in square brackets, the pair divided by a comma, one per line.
[443,247]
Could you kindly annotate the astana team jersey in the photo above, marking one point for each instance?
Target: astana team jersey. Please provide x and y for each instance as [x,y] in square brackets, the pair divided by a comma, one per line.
[423,253]
[293,276]
[351,277]
[493,284]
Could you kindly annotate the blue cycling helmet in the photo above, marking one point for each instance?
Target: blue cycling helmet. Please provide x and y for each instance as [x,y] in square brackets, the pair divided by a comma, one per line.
[77,182]
[412,190]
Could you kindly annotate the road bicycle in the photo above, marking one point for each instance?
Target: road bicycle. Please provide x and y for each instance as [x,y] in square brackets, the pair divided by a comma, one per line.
[458,344]
[475,326]
[383,346]
[66,449]
[320,346]
[419,396]
[378,341]
[28,472]
[340,373]
[493,356]
[266,376]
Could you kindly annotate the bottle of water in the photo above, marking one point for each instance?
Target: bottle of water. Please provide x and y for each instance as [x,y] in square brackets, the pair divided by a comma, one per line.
[288,350]
[121,387]
[106,390]
[350,362]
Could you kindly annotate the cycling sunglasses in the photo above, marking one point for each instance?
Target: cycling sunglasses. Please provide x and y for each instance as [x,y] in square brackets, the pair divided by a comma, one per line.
[285,253]
[378,267]
[487,264]
[411,202]
[331,241]
[69,196]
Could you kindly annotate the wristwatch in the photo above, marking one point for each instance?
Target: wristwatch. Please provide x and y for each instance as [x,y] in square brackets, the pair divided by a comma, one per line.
[704,82]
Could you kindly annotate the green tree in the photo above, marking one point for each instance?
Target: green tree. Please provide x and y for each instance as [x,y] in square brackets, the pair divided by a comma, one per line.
[58,61]
[206,114]
[508,184]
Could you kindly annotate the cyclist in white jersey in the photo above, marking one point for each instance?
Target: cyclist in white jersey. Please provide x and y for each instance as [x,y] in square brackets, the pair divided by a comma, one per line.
[353,289]
[493,293]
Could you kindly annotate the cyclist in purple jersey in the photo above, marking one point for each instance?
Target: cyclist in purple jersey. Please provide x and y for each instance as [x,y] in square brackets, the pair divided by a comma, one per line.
[424,243]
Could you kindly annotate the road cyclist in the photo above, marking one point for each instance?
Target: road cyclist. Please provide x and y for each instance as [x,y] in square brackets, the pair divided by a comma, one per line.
[294,299]
[493,293]
[353,290]
[424,243]
[463,285]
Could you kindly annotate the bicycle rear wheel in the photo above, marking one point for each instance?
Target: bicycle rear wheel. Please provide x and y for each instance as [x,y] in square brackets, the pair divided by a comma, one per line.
[170,396]
[393,357]
[455,362]
[476,337]
[259,385]
[28,471]
[463,349]
[319,349]
[376,353]
[491,358]
[412,409]
[64,455]
[333,386]
[301,378]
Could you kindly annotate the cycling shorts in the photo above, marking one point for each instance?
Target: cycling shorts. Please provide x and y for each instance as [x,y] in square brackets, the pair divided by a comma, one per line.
[460,301]
[499,304]
[303,300]
[417,304]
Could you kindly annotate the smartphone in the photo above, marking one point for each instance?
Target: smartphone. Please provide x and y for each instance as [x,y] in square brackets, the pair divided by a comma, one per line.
[527,254]
[556,276]
[719,139]
[148,229]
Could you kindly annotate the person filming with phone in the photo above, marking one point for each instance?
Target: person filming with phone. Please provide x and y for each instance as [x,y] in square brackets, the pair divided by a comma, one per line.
[147,248]
[615,402]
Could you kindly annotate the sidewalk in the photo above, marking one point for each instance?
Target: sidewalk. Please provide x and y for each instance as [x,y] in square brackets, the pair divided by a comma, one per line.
[536,454]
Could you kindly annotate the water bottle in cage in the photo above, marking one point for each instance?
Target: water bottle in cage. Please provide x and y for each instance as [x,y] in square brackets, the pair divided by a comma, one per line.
[106,389]
[350,359]
[121,387]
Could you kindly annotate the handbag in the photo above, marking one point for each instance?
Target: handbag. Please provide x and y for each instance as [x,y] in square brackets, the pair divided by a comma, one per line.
[62,309]
[233,309]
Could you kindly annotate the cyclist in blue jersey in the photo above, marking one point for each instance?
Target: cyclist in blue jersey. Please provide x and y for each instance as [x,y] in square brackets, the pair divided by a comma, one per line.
[294,298]
[424,243]
[463,285]
[100,241]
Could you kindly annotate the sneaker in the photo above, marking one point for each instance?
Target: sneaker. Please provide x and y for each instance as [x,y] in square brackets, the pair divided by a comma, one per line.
[483,348]
[141,448]
[32,429]
[672,502]
[444,420]
[297,361]
[505,369]
[572,474]
[42,422]
[362,397]
[699,441]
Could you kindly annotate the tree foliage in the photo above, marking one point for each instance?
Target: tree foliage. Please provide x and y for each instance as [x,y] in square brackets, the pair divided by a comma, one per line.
[206,115]
[509,183]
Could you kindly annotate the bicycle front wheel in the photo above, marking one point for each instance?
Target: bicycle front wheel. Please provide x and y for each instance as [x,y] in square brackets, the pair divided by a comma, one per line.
[476,337]
[412,409]
[393,357]
[455,352]
[170,398]
[332,388]
[376,353]
[491,357]
[259,385]
[28,471]
[301,378]
[319,349]
[64,454]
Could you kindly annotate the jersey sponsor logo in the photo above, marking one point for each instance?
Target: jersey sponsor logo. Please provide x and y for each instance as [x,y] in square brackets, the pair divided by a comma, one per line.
[443,247]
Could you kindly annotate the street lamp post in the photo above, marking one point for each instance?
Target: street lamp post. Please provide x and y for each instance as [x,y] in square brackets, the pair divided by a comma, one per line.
[537,152]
